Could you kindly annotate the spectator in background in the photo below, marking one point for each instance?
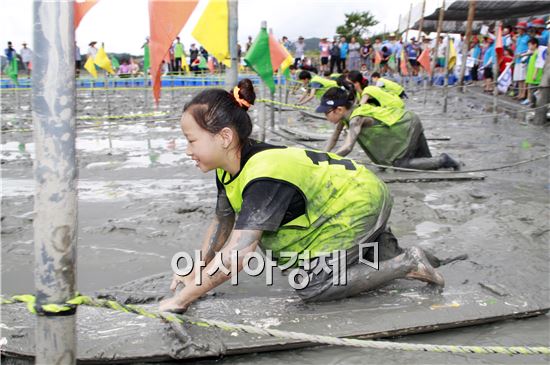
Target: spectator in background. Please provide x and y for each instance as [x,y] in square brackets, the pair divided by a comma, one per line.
[248,44]
[286,43]
[77,59]
[179,54]
[441,49]
[134,67]
[324,53]
[299,51]
[92,51]
[475,54]
[540,32]
[344,48]
[26,58]
[193,54]
[10,52]
[520,66]
[411,49]
[354,55]
[507,36]
[335,57]
[533,75]
[488,60]
[125,70]
[365,53]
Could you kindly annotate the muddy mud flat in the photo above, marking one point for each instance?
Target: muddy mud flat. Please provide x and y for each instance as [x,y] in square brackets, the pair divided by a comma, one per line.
[141,200]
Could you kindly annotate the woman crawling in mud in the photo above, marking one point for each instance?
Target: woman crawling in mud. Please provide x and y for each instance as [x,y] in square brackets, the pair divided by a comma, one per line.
[390,136]
[288,199]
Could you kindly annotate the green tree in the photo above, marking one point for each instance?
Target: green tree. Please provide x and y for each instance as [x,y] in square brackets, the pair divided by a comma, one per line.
[357,24]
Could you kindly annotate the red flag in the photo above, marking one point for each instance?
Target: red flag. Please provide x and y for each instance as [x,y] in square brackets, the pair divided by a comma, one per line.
[166,19]
[403,64]
[424,60]
[80,9]
[377,58]
[278,52]
[499,48]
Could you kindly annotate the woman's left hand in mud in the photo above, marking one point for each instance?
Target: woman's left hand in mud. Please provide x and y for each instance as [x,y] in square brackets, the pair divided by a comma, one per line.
[173,305]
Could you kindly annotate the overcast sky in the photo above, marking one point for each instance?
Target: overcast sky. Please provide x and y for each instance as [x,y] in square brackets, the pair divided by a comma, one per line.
[123,24]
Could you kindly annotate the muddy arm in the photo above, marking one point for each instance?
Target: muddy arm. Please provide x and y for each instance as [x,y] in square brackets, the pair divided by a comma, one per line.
[355,126]
[242,241]
[307,97]
[334,137]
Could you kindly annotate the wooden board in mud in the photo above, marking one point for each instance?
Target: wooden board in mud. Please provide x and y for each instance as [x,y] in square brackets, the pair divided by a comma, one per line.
[404,307]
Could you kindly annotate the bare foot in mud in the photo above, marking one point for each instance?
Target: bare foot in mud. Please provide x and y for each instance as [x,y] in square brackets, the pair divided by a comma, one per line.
[424,271]
[172,305]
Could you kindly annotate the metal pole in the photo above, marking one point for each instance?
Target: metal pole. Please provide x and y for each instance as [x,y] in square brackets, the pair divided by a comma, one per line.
[439,25]
[279,81]
[272,111]
[445,89]
[495,77]
[408,24]
[55,170]
[540,113]
[466,43]
[107,99]
[421,25]
[232,72]
[263,93]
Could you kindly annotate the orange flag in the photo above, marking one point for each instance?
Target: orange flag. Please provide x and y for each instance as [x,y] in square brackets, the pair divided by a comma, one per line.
[166,19]
[403,64]
[377,58]
[499,48]
[80,9]
[277,51]
[424,60]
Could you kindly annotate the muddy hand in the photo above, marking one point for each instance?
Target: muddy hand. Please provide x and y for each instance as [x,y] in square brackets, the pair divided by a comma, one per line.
[177,280]
[172,305]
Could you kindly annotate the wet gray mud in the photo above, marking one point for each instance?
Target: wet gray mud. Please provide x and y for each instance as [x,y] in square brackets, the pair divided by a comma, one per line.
[141,199]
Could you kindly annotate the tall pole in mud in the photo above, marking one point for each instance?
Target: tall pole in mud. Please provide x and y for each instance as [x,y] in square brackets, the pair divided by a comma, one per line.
[263,93]
[446,73]
[495,77]
[279,81]
[466,43]
[232,72]
[421,25]
[55,201]
[436,49]
[544,94]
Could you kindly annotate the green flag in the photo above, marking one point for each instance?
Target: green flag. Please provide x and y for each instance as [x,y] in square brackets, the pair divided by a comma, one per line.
[114,62]
[146,58]
[258,58]
[11,70]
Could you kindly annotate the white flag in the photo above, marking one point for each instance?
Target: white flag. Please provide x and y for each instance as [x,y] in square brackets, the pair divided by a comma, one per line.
[505,79]
[541,57]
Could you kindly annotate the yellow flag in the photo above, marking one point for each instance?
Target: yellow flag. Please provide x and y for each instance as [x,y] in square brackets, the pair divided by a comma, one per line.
[212,30]
[90,67]
[452,55]
[103,61]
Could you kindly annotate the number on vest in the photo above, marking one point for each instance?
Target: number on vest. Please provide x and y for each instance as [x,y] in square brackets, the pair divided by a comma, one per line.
[317,157]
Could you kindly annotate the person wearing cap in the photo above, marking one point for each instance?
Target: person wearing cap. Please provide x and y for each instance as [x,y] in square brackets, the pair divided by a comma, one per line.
[315,86]
[26,58]
[324,54]
[388,85]
[308,205]
[520,66]
[541,33]
[92,51]
[299,51]
[533,76]
[489,57]
[389,136]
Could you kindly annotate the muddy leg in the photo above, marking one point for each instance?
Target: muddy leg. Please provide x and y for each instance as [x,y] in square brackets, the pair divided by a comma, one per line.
[412,264]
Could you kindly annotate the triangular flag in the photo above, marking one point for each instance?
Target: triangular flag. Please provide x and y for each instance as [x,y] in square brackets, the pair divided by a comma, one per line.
[114,62]
[279,54]
[403,64]
[103,61]
[90,67]
[146,58]
[377,58]
[424,60]
[166,19]
[212,30]
[12,69]
[258,58]
[452,55]
[499,48]
[81,7]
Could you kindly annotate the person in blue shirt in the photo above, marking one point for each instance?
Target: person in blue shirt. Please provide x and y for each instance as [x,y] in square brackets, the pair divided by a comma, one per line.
[343,53]
[488,60]
[9,52]
[520,66]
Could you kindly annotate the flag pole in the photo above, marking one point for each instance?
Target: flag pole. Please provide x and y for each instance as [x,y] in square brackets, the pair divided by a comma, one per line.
[540,113]
[421,25]
[55,171]
[466,43]
[263,93]
[446,87]
[406,41]
[232,72]
[279,80]
[495,76]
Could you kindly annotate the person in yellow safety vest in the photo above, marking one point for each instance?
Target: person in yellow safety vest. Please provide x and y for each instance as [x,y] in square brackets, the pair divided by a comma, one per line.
[389,136]
[315,85]
[289,201]
[372,94]
[388,85]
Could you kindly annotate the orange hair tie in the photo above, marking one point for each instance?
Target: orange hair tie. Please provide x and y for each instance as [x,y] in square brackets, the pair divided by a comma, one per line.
[241,102]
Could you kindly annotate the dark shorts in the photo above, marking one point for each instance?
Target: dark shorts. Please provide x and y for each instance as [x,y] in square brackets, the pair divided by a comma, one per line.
[488,72]
[77,64]
[324,60]
[414,63]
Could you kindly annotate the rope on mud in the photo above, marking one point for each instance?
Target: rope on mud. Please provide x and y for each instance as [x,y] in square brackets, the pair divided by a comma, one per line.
[275,102]
[288,335]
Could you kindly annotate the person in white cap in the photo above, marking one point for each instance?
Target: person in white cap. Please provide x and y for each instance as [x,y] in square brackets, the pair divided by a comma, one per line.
[26,58]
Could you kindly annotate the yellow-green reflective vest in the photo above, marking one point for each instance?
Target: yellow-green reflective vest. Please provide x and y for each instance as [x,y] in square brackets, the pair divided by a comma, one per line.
[341,196]
[385,98]
[385,143]
[392,86]
[326,84]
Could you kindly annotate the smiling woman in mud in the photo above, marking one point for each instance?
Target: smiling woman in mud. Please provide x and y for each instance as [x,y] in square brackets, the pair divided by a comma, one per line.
[290,200]
[390,136]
